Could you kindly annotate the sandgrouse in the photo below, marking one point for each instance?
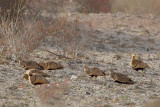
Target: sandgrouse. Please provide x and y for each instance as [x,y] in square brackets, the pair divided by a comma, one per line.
[50,65]
[29,64]
[28,72]
[35,79]
[137,64]
[120,78]
[94,72]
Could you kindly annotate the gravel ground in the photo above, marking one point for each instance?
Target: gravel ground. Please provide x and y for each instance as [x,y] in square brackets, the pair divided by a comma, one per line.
[116,37]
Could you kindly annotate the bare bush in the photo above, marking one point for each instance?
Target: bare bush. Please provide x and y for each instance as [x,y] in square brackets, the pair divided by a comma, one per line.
[13,7]
[49,6]
[69,39]
[21,36]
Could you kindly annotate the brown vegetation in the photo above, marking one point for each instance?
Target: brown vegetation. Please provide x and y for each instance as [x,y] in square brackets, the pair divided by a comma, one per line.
[69,39]
[21,36]
[12,8]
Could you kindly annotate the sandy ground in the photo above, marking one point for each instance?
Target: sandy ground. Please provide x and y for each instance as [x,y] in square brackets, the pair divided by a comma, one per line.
[114,35]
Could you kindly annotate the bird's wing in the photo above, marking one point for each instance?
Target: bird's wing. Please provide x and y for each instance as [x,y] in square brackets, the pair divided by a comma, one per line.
[114,76]
[40,79]
[44,74]
[32,79]
[122,77]
[97,72]
[142,65]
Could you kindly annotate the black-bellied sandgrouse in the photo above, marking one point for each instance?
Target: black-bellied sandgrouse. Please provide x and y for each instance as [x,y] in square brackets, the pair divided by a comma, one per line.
[35,79]
[28,72]
[50,65]
[120,78]
[29,64]
[137,64]
[93,72]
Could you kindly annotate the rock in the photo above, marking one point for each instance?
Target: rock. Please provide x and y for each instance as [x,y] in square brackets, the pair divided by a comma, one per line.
[88,93]
[74,77]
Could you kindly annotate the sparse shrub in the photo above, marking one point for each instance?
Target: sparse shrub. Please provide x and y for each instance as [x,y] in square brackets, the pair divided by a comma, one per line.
[49,6]
[21,35]
[13,7]
[70,39]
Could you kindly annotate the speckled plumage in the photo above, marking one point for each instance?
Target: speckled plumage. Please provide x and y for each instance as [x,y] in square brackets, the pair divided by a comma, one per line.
[29,64]
[28,72]
[93,72]
[35,78]
[137,64]
[120,78]
[50,65]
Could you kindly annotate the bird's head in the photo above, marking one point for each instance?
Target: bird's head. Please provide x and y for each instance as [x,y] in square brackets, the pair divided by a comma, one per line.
[110,70]
[133,56]
[41,64]
[25,76]
[85,67]
[19,58]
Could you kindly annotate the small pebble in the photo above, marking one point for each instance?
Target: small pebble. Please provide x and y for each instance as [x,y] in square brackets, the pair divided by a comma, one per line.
[73,77]
[87,93]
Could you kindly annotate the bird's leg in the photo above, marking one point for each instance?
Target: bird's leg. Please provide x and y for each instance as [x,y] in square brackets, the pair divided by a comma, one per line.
[143,71]
[94,77]
[34,85]
[105,78]
[91,78]
[137,71]
[25,68]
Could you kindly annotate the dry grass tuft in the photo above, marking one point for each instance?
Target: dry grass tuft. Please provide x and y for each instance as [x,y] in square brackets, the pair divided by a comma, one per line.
[20,35]
[69,38]
[14,7]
